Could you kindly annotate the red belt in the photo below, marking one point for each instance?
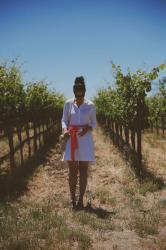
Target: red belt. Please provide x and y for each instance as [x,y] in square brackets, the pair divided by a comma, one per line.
[73,129]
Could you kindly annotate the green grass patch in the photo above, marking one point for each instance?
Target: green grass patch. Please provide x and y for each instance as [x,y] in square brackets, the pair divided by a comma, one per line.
[86,218]
[136,204]
[149,186]
[147,223]
[38,227]
[105,197]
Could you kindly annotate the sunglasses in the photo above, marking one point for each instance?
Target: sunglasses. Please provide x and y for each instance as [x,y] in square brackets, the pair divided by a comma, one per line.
[78,88]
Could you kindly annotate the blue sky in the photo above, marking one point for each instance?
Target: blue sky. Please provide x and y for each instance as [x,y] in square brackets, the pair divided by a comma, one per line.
[61,39]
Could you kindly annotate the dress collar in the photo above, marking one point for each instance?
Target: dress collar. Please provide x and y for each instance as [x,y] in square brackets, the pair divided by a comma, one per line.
[85,100]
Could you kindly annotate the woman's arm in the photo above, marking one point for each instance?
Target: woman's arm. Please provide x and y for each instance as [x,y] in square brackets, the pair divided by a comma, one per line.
[65,117]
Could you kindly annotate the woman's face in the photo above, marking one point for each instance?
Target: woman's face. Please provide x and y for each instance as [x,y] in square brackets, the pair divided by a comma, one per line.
[79,92]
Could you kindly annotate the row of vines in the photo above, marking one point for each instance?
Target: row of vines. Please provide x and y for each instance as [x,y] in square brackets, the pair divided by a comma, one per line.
[125,110]
[157,109]
[26,110]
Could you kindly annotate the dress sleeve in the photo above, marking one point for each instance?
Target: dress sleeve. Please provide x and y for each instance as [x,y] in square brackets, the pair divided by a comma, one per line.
[65,116]
[93,116]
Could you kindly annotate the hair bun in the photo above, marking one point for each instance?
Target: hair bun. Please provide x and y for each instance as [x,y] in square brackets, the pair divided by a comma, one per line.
[79,79]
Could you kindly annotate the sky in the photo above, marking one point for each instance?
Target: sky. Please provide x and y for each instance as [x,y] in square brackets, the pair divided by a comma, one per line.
[58,40]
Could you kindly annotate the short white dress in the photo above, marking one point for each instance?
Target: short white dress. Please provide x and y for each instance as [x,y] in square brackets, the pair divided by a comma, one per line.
[85,114]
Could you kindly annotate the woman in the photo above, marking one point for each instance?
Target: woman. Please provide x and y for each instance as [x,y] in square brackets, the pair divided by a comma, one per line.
[78,121]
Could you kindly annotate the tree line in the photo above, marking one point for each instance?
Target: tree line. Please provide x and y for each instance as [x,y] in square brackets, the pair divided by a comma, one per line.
[25,108]
[124,110]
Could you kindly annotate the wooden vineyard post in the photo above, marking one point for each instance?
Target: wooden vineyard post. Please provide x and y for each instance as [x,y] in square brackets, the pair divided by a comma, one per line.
[139,128]
[157,129]
[28,139]
[139,142]
[133,139]
[11,146]
[117,133]
[35,136]
[20,142]
[162,122]
[39,129]
[126,135]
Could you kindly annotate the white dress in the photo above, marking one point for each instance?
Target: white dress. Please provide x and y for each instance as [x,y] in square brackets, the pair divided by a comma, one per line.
[85,114]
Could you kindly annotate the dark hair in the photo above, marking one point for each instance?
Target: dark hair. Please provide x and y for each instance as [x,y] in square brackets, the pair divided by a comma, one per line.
[79,83]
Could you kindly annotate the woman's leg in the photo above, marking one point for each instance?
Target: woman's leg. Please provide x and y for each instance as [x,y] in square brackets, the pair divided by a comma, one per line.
[73,171]
[83,171]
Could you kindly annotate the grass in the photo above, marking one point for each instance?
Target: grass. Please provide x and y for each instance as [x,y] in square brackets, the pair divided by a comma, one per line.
[162,203]
[92,221]
[40,227]
[50,224]
[105,197]
[147,223]
[149,186]
[136,204]
[161,244]
[130,191]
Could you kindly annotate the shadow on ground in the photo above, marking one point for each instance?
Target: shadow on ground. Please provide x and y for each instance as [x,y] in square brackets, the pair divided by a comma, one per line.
[15,183]
[100,212]
[140,168]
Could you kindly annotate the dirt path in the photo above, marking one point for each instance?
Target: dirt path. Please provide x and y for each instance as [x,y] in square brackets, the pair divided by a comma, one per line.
[119,217]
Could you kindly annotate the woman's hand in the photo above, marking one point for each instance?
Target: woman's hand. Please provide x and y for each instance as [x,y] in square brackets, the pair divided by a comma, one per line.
[85,130]
[66,134]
